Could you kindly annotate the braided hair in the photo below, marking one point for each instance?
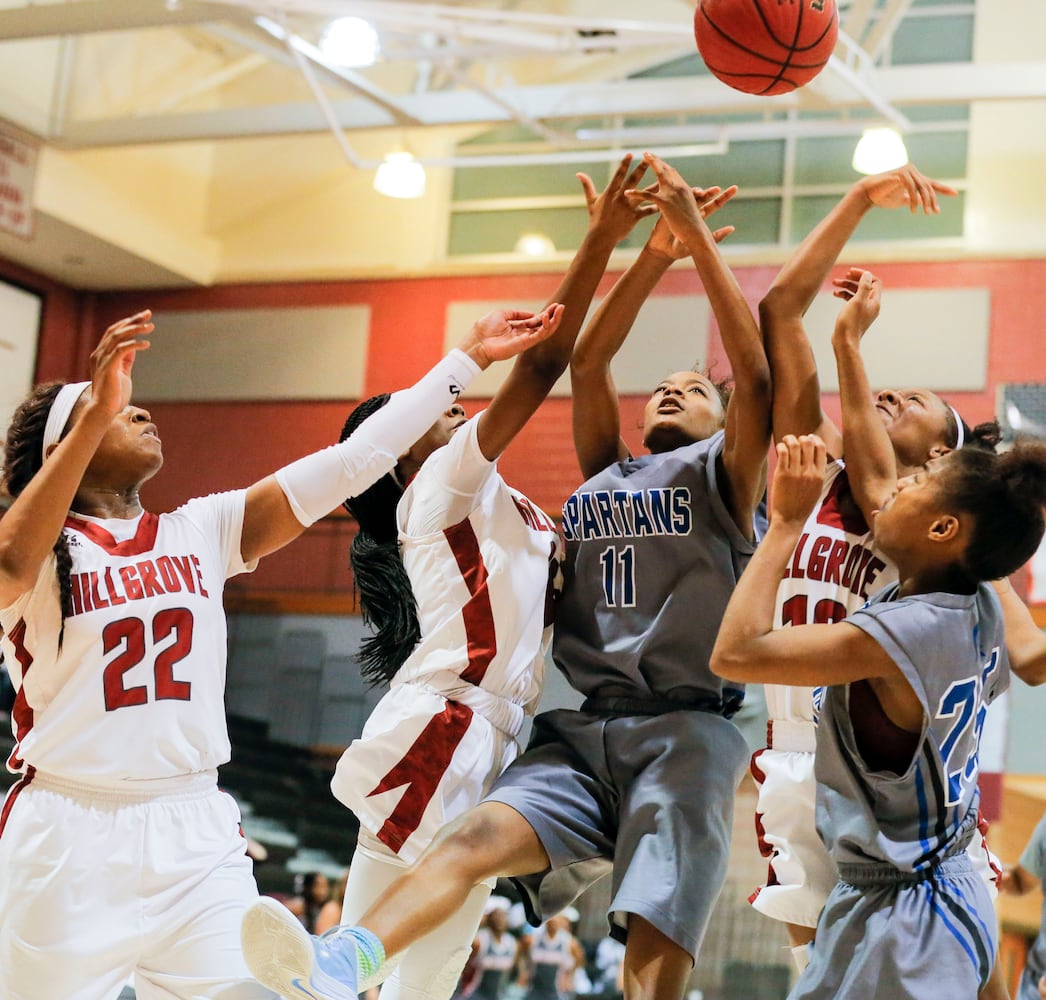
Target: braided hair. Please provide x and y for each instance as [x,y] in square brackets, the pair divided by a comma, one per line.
[385,594]
[22,461]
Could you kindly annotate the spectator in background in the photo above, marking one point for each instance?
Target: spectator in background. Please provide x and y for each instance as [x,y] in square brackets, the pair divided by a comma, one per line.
[553,954]
[1030,873]
[495,953]
[330,913]
[312,891]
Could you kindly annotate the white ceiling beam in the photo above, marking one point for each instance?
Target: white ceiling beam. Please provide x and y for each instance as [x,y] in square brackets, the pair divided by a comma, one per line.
[898,85]
[350,78]
[47,20]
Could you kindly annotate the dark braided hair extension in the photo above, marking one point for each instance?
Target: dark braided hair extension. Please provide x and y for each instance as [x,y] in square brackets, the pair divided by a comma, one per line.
[1006,494]
[22,461]
[385,594]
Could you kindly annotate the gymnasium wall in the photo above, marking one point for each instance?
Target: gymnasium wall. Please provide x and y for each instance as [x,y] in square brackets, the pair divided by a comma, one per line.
[973,324]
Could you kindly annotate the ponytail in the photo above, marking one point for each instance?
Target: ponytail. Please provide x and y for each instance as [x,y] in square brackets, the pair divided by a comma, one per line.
[385,594]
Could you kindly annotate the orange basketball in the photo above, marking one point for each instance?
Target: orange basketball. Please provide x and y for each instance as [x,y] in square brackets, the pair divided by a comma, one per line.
[766,46]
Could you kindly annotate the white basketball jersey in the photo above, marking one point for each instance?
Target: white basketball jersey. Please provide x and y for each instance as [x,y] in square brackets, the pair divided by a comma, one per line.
[834,570]
[484,582]
[137,690]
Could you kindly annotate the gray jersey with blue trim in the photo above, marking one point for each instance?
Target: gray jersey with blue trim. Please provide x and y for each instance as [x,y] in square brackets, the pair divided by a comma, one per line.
[652,558]
[951,650]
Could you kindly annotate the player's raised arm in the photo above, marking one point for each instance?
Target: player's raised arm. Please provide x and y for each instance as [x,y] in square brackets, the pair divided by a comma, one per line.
[280,507]
[597,419]
[748,648]
[797,396]
[50,480]
[611,218]
[870,457]
[748,414]
[1025,641]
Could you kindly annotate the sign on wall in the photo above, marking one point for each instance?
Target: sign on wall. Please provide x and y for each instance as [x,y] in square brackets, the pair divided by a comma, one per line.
[17,176]
[19,330]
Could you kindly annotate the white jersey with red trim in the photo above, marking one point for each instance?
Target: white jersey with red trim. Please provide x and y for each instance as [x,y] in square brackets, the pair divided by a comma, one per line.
[484,564]
[136,691]
[833,572]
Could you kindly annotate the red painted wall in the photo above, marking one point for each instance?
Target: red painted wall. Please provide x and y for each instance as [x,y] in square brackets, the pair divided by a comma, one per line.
[221,445]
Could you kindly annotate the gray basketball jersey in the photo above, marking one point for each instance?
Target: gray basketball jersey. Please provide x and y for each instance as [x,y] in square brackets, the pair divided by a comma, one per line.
[652,558]
[951,649]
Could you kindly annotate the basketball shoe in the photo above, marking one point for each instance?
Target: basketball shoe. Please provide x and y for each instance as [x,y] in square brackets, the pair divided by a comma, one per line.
[284,957]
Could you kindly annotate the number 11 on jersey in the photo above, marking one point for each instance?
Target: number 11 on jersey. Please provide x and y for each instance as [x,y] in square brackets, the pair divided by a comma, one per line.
[619,576]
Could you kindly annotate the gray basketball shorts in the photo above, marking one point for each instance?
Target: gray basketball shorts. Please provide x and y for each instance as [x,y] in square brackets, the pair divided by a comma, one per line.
[893,934]
[648,799]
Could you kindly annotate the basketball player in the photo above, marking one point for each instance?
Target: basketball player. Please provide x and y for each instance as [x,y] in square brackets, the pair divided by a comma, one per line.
[642,779]
[118,852]
[909,679]
[553,955]
[456,572]
[836,566]
[495,953]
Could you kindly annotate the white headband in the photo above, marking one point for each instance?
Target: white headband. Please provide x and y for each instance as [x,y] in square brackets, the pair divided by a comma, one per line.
[58,416]
[960,434]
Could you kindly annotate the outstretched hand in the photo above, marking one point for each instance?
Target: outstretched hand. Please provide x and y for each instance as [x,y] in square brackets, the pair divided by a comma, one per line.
[905,186]
[609,210]
[862,292]
[798,478]
[675,199]
[664,243]
[500,335]
[113,359]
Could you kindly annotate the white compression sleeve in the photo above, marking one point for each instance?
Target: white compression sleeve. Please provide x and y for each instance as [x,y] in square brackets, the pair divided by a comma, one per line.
[317,484]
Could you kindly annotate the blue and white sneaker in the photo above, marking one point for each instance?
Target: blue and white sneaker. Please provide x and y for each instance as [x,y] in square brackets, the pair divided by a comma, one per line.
[284,957]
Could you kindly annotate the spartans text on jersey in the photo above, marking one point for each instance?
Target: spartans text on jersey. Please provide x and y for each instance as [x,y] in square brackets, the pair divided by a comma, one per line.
[627,513]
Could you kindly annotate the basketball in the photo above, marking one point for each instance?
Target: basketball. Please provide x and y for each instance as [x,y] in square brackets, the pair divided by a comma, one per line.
[766,46]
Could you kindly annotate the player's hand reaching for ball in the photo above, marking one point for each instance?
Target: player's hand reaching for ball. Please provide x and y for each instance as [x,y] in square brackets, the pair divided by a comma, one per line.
[862,292]
[504,334]
[609,211]
[113,359]
[798,479]
[904,187]
[664,243]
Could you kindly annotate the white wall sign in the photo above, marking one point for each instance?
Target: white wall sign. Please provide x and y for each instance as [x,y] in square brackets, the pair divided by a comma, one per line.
[17,176]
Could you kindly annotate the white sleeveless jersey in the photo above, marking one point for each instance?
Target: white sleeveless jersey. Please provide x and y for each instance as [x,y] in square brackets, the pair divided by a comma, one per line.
[485,565]
[834,570]
[495,954]
[484,583]
[137,690]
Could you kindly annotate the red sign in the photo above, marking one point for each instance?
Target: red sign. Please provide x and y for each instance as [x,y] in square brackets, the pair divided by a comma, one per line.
[17,175]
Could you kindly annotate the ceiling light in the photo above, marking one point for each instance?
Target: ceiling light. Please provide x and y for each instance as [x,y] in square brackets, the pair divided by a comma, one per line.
[879,149]
[400,176]
[350,41]
[535,245]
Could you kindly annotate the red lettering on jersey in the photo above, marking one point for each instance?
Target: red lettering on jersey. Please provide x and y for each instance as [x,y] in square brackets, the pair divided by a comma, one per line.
[184,567]
[872,570]
[168,574]
[115,597]
[132,586]
[21,712]
[795,571]
[532,517]
[96,598]
[835,561]
[850,569]
[815,566]
[76,594]
[147,572]
[199,576]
